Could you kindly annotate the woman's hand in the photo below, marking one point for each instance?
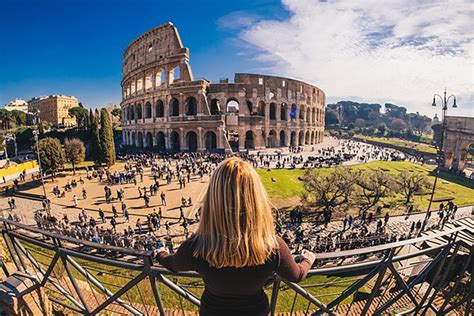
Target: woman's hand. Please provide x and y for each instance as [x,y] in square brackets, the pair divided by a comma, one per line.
[162,249]
[308,255]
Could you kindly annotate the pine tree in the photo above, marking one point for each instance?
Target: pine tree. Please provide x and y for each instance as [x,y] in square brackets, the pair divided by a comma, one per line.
[107,138]
[91,120]
[96,148]
[51,155]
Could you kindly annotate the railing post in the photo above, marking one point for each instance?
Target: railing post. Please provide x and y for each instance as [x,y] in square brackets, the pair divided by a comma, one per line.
[274,298]
[148,261]
[10,248]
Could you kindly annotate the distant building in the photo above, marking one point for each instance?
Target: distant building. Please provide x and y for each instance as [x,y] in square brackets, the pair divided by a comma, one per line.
[54,109]
[17,104]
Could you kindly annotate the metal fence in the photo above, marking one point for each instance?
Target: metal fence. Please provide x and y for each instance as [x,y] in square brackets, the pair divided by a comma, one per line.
[425,275]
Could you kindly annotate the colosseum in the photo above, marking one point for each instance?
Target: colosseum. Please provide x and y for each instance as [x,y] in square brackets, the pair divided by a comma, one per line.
[164,108]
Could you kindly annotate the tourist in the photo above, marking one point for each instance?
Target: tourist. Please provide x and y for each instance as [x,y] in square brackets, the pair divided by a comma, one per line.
[235,268]
[102,215]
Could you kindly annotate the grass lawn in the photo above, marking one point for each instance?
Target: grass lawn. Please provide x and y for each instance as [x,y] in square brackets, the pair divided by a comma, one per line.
[400,143]
[87,163]
[287,186]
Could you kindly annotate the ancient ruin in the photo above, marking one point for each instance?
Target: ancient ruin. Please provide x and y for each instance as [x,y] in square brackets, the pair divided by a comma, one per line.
[164,108]
[458,137]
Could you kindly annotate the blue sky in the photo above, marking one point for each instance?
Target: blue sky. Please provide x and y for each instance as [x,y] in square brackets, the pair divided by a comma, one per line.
[400,52]
[75,47]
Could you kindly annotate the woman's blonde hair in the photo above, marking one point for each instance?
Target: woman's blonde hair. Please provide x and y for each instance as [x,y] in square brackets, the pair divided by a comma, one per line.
[236,227]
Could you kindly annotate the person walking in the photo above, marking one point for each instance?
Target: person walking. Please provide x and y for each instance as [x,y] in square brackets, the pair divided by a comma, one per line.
[235,248]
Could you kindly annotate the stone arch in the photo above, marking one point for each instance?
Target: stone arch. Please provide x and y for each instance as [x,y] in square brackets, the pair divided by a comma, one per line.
[232,105]
[307,138]
[210,140]
[161,141]
[131,112]
[313,138]
[313,116]
[272,111]
[133,140]
[302,109]
[283,114]
[282,138]
[249,140]
[148,140]
[174,107]
[294,111]
[261,108]
[175,144]
[138,111]
[215,107]
[159,109]
[272,139]
[192,141]
[190,106]
[293,138]
[308,114]
[140,140]
[147,110]
[300,138]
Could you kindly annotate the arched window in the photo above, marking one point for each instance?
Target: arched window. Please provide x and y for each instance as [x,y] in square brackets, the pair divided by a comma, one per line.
[210,140]
[147,110]
[272,111]
[301,116]
[191,139]
[174,107]
[249,144]
[215,107]
[283,115]
[159,109]
[140,140]
[174,141]
[138,111]
[191,106]
[149,140]
[232,105]
[294,111]
[160,141]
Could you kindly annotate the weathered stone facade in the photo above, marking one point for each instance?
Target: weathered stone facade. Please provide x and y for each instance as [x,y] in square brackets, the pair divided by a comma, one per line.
[459,135]
[165,109]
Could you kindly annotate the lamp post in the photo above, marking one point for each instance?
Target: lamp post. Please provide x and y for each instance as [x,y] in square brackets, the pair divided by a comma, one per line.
[444,104]
[36,136]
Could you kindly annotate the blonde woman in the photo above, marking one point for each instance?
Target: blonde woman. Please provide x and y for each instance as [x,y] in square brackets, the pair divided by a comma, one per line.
[235,248]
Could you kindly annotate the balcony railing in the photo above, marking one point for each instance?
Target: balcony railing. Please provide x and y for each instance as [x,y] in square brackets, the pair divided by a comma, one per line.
[91,278]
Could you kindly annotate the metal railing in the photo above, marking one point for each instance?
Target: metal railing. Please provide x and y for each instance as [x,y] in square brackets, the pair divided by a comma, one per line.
[425,274]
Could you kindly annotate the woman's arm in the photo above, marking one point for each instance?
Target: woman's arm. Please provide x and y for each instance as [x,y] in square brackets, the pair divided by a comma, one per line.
[287,268]
[182,260]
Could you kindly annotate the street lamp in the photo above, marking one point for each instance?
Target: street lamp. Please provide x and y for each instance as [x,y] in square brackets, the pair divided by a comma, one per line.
[444,104]
[36,136]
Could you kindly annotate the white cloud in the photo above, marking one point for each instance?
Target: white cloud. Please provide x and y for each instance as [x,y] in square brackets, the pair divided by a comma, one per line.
[383,51]
[237,20]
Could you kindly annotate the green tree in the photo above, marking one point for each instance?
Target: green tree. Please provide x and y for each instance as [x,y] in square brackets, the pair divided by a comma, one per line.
[96,148]
[82,116]
[91,119]
[51,155]
[372,186]
[75,152]
[411,183]
[117,112]
[107,138]
[331,118]
[19,117]
[328,190]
